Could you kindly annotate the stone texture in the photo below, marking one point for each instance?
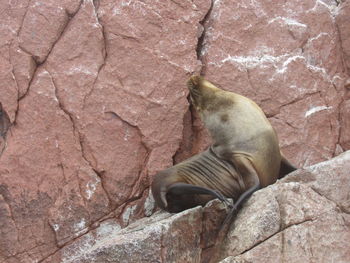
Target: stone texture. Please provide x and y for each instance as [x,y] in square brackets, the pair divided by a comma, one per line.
[80,85]
[160,238]
[272,210]
[343,21]
[313,218]
[94,103]
[345,121]
[329,179]
[325,239]
[288,58]
[298,219]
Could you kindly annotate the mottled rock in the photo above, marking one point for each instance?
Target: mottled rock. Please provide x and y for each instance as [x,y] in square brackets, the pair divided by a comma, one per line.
[325,239]
[286,57]
[160,238]
[345,124]
[271,210]
[328,178]
[314,225]
[94,103]
[343,22]
[42,26]
[96,97]
[291,220]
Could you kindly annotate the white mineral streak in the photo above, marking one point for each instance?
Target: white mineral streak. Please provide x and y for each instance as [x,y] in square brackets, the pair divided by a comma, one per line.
[287,21]
[316,109]
[91,187]
[128,212]
[149,204]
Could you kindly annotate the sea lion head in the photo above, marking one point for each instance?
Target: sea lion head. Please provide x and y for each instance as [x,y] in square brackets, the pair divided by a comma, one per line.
[202,92]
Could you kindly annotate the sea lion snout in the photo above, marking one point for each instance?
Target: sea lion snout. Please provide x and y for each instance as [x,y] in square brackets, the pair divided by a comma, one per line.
[194,86]
[195,80]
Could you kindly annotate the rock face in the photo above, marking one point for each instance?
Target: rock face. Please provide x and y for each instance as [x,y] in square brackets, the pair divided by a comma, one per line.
[304,217]
[343,21]
[282,56]
[94,103]
[170,239]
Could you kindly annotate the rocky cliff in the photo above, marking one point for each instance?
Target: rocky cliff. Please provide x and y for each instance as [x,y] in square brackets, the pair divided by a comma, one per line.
[94,103]
[304,217]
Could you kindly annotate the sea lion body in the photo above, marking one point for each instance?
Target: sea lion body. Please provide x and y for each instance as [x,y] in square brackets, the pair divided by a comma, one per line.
[205,170]
[245,147]
[239,127]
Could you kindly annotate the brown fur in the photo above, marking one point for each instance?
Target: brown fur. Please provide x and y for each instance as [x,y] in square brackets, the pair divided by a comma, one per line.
[205,170]
[245,153]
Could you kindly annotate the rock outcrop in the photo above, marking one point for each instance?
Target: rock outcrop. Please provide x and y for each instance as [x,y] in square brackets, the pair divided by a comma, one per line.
[304,217]
[93,102]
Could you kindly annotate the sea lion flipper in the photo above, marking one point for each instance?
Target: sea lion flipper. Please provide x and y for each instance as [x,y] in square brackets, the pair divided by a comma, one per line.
[252,182]
[183,189]
[286,167]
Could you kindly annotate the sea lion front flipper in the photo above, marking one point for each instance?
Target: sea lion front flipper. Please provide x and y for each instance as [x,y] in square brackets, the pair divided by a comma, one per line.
[286,167]
[183,189]
[252,183]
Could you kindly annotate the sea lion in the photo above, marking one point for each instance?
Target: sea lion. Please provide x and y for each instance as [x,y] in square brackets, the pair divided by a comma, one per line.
[244,156]
[196,181]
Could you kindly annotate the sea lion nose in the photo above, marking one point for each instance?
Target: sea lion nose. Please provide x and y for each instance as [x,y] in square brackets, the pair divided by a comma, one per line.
[195,79]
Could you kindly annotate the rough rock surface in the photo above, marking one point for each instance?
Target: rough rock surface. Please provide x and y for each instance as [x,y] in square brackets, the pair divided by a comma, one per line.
[343,22]
[93,101]
[287,56]
[163,237]
[304,217]
[156,239]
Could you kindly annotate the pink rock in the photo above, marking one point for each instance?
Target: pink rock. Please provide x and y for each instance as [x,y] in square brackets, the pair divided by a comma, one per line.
[345,125]
[343,22]
[23,69]
[335,171]
[159,238]
[9,94]
[95,120]
[310,216]
[306,242]
[299,219]
[279,56]
[43,24]
[95,102]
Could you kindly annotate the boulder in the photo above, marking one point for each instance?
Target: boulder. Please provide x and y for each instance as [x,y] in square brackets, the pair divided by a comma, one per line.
[301,218]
